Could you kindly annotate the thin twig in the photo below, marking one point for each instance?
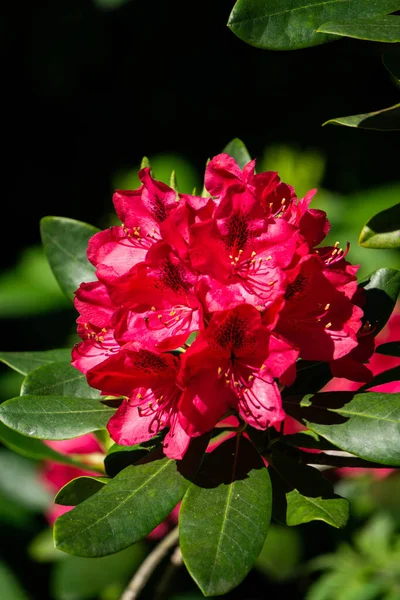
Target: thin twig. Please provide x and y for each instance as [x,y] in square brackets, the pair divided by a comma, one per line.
[147,567]
[176,561]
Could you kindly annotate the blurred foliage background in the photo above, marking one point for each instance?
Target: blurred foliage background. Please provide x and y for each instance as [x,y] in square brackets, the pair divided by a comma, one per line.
[90,87]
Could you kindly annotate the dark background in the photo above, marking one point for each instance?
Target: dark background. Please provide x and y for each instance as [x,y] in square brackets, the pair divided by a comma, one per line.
[86,92]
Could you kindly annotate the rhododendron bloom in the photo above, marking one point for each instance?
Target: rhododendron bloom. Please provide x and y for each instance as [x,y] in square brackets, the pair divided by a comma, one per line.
[242,271]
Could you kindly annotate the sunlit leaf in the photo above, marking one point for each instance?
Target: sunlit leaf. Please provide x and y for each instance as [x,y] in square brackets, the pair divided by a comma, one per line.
[293,24]
[65,243]
[376,29]
[54,417]
[125,510]
[238,151]
[227,512]
[368,425]
[25,362]
[382,230]
[384,119]
[58,379]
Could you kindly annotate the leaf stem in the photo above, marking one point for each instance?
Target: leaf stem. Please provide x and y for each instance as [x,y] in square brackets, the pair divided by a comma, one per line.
[147,567]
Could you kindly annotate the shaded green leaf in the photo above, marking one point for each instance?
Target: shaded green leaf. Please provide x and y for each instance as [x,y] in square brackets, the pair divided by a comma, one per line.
[383,230]
[227,511]
[376,29]
[307,439]
[54,417]
[65,243]
[367,425]
[41,547]
[119,457]
[77,578]
[36,449]
[381,291]
[128,508]
[79,489]
[58,379]
[293,24]
[389,349]
[387,376]
[302,494]
[25,362]
[238,151]
[381,120]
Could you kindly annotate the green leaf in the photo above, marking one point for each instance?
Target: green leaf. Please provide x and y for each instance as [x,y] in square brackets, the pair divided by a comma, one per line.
[119,457]
[226,511]
[302,494]
[54,417]
[58,379]
[25,362]
[293,24]
[381,290]
[36,449]
[79,489]
[376,29]
[41,547]
[389,349]
[77,578]
[383,230]
[368,425]
[238,151]
[128,508]
[386,119]
[65,243]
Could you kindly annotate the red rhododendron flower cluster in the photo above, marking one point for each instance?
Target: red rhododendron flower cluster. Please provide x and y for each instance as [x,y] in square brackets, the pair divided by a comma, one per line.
[243,269]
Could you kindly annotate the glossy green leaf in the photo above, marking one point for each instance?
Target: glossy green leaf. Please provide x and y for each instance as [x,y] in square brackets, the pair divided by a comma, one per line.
[79,489]
[386,119]
[125,510]
[383,230]
[54,417]
[65,243]
[58,379]
[224,517]
[25,362]
[293,24]
[238,151]
[381,290]
[389,349]
[376,29]
[77,578]
[368,425]
[302,494]
[36,449]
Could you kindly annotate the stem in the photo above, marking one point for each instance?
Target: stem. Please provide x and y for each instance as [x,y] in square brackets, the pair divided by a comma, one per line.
[147,567]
